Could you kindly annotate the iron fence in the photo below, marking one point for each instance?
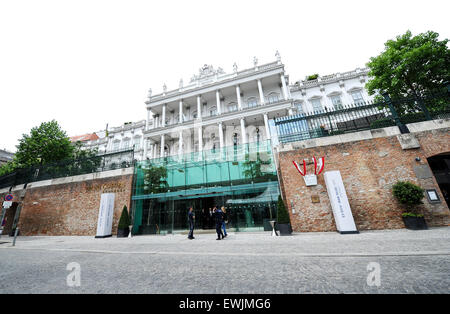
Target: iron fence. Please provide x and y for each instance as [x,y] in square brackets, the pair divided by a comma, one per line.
[364,116]
[70,167]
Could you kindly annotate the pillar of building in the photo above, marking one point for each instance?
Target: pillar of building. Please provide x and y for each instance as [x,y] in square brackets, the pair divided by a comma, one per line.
[243,132]
[180,111]
[219,109]
[261,92]
[162,145]
[200,139]
[180,143]
[163,116]
[238,96]
[199,106]
[221,144]
[284,87]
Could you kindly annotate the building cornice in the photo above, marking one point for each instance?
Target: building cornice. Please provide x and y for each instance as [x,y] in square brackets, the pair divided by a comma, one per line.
[223,81]
[327,79]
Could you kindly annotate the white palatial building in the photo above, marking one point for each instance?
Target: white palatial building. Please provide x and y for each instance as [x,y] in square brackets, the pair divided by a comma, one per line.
[216,109]
[330,91]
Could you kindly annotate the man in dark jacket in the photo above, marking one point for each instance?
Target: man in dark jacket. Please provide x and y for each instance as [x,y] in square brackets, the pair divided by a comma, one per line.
[218,217]
[191,217]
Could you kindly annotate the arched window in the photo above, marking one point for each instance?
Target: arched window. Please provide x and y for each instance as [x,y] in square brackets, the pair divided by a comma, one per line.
[232,106]
[252,102]
[194,115]
[273,97]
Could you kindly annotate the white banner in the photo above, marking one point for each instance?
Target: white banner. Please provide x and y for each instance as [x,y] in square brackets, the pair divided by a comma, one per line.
[105,215]
[339,202]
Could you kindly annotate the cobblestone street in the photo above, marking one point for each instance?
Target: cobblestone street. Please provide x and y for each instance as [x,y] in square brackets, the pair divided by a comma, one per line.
[410,262]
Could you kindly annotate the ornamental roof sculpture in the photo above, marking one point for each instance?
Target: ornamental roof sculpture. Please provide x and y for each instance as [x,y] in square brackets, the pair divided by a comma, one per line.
[205,72]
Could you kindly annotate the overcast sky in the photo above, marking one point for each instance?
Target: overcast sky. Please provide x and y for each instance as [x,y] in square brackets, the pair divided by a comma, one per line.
[89,63]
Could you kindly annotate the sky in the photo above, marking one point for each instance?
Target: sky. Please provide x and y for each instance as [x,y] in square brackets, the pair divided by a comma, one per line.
[89,63]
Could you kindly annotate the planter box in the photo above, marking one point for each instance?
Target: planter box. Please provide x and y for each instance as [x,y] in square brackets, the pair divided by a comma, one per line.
[285,229]
[123,233]
[415,223]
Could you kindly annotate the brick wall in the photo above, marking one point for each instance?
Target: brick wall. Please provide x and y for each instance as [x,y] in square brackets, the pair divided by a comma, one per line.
[71,208]
[368,168]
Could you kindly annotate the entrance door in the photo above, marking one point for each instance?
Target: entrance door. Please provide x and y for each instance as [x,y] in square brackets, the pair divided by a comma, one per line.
[440,165]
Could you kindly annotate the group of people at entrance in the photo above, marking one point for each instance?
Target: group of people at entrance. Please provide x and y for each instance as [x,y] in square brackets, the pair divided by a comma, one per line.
[217,215]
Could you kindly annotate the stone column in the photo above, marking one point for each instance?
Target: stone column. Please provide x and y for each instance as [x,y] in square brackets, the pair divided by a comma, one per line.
[219,111]
[261,93]
[238,96]
[145,149]
[163,121]
[283,83]
[266,124]
[221,135]
[162,145]
[199,107]
[180,111]
[200,139]
[149,117]
[180,143]
[243,133]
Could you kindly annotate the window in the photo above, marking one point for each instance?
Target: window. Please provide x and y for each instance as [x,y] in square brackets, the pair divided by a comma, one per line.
[213,111]
[357,97]
[299,107]
[194,115]
[336,100]
[126,144]
[232,107]
[252,102]
[273,97]
[316,104]
[116,145]
[137,143]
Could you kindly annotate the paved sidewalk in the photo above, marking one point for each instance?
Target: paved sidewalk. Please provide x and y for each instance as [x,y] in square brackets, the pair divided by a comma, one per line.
[410,262]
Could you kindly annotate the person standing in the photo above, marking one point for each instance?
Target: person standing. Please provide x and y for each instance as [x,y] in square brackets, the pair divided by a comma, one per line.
[225,221]
[191,216]
[218,217]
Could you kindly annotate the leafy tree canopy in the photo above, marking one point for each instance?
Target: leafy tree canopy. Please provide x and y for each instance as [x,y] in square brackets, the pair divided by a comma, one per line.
[45,144]
[410,66]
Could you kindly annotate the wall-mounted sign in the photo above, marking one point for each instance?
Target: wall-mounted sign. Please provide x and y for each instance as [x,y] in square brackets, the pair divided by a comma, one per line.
[339,202]
[315,198]
[433,196]
[7,204]
[8,197]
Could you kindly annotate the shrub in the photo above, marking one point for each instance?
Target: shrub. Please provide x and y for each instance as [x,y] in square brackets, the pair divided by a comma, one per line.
[282,213]
[382,123]
[124,221]
[312,77]
[408,193]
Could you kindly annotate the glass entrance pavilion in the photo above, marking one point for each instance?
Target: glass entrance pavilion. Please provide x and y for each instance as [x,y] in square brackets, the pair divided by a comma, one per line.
[242,178]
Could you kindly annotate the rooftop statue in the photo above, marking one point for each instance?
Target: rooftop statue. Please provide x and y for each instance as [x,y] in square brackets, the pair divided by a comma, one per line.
[206,71]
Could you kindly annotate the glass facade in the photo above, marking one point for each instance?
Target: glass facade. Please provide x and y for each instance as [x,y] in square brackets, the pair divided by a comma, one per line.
[242,178]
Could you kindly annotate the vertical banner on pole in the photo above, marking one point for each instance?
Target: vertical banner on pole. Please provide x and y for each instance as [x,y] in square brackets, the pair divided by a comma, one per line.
[339,202]
[105,215]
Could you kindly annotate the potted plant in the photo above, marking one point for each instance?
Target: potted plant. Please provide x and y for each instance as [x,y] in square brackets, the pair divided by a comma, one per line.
[410,195]
[124,222]
[283,220]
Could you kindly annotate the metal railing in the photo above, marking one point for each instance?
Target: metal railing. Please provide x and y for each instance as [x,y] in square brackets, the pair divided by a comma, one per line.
[364,116]
[69,167]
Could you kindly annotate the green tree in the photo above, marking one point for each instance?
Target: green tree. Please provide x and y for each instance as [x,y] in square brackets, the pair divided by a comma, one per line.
[124,221]
[45,144]
[410,66]
[282,213]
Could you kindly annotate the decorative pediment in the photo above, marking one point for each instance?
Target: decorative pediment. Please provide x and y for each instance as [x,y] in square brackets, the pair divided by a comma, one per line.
[205,72]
